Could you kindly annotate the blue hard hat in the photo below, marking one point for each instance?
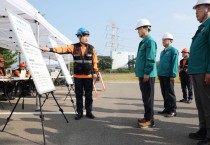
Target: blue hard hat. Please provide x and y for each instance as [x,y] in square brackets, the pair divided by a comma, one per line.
[82,31]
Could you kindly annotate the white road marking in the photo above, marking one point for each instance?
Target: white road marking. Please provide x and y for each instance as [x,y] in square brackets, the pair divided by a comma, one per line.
[34,113]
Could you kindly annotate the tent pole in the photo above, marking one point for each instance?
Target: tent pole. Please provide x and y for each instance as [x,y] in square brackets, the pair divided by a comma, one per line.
[19,57]
[37,39]
[49,60]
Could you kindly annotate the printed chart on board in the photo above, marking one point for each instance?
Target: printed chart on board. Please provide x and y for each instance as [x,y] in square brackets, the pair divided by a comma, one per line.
[32,53]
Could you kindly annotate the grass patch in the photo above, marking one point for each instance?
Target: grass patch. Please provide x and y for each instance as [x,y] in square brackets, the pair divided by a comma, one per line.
[119,77]
[125,77]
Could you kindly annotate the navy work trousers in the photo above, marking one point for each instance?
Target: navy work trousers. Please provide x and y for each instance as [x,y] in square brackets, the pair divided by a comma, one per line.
[167,89]
[202,100]
[84,85]
[186,84]
[147,90]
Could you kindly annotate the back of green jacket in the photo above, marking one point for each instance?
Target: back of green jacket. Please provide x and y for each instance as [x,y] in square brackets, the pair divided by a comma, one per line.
[146,58]
[168,65]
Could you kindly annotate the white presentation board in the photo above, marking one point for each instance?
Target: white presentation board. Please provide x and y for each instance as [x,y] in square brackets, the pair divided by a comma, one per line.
[62,63]
[32,53]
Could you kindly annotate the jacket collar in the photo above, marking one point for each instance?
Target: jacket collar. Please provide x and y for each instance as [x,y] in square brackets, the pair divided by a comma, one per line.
[205,23]
[168,48]
[146,38]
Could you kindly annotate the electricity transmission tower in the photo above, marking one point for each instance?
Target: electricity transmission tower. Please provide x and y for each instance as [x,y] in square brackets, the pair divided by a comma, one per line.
[112,35]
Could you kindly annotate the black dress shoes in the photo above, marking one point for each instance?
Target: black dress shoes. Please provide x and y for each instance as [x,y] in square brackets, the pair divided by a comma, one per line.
[189,101]
[171,114]
[78,116]
[183,100]
[163,112]
[11,98]
[206,141]
[3,99]
[199,135]
[90,115]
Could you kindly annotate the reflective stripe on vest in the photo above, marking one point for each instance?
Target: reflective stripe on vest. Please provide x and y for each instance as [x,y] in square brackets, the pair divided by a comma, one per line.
[83,61]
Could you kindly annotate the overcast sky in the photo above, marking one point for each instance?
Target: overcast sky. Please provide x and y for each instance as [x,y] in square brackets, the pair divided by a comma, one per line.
[176,17]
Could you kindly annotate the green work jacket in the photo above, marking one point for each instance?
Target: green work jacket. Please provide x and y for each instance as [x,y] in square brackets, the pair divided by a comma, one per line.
[168,64]
[146,58]
[199,58]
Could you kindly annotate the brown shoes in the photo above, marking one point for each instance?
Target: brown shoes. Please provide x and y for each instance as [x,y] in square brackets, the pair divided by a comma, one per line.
[141,120]
[143,123]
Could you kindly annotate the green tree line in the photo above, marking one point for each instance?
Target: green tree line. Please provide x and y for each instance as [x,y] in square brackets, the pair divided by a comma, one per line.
[9,56]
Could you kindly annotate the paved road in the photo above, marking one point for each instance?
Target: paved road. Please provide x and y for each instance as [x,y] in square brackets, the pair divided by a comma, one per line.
[116,112]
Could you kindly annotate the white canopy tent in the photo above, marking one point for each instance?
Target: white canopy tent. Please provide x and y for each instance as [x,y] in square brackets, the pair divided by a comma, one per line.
[41,28]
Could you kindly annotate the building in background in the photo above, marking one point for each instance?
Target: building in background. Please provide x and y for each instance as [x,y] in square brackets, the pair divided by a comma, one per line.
[121,59]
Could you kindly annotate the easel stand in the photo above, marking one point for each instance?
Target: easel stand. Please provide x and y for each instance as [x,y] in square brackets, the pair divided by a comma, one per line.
[57,76]
[70,87]
[47,95]
[41,112]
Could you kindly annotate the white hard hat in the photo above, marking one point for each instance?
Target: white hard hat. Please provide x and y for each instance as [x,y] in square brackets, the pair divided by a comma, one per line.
[143,22]
[168,36]
[200,2]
